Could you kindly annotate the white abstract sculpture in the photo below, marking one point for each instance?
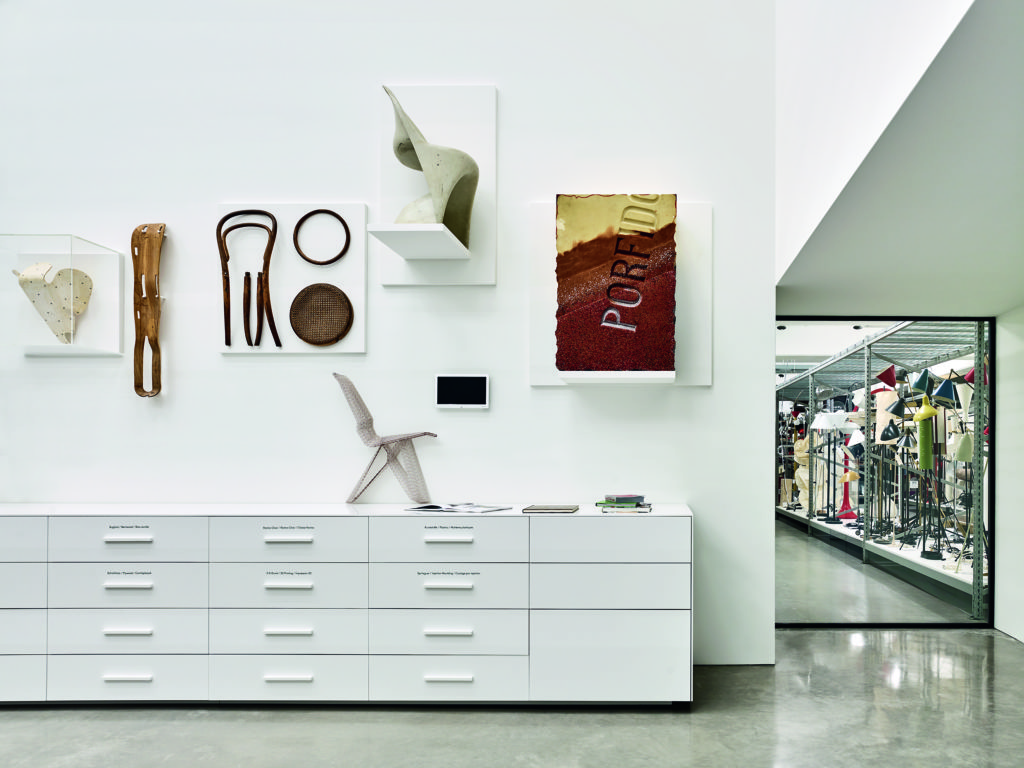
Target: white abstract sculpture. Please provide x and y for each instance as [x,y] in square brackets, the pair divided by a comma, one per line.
[59,301]
[451,175]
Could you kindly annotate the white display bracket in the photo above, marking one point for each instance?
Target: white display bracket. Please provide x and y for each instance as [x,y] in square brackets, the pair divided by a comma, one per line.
[694,285]
[463,117]
[421,241]
[289,273]
[617,377]
[99,331]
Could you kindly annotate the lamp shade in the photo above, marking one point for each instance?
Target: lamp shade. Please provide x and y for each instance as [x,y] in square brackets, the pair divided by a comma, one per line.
[849,476]
[898,408]
[923,383]
[888,376]
[945,394]
[969,376]
[907,441]
[821,421]
[857,438]
[965,450]
[890,433]
[926,411]
[966,394]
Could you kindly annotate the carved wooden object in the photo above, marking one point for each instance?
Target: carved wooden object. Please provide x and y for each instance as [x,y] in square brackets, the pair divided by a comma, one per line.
[147,241]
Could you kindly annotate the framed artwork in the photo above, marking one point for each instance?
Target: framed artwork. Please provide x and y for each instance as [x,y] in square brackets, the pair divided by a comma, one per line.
[616,275]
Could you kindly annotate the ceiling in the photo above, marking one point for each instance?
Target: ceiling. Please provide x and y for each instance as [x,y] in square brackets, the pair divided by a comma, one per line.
[912,345]
[932,223]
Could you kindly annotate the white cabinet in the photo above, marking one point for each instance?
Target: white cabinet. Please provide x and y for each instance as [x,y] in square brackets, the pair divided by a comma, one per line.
[127,601]
[450,632]
[288,539]
[119,539]
[595,655]
[377,604]
[128,678]
[610,609]
[288,677]
[22,609]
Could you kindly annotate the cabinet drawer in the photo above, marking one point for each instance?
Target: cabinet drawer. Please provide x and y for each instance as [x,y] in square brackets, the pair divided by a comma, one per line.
[22,678]
[22,539]
[127,585]
[610,656]
[133,630]
[610,539]
[288,585]
[128,539]
[449,539]
[128,678]
[449,678]
[449,585]
[22,585]
[476,632]
[288,539]
[288,678]
[22,631]
[278,630]
[614,585]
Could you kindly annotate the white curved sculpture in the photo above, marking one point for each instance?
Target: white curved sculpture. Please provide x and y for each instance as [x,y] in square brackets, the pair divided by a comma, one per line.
[59,301]
[451,175]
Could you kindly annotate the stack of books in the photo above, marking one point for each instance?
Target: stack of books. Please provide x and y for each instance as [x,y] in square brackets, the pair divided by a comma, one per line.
[624,502]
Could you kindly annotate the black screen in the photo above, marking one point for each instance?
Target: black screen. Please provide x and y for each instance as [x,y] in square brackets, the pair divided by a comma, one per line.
[462,390]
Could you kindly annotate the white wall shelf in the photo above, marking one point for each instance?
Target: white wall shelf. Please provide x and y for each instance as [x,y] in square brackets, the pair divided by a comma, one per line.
[420,241]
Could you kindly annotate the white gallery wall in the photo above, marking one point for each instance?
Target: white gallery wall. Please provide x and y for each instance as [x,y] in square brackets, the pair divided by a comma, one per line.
[118,113]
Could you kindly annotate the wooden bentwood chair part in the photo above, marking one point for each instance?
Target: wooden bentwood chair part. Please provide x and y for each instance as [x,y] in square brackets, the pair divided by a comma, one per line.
[147,241]
[262,278]
[398,449]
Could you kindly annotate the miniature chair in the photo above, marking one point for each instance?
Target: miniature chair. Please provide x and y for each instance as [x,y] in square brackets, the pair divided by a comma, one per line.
[399,450]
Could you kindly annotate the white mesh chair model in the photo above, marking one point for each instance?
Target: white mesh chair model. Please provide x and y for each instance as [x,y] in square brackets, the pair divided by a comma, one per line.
[400,454]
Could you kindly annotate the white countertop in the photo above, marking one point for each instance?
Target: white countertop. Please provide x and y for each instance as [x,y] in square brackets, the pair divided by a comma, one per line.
[298,510]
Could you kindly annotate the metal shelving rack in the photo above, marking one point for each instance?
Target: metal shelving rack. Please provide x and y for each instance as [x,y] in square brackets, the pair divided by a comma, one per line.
[914,345]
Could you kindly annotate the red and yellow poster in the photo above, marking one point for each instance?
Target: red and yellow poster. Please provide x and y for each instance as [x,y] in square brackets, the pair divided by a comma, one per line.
[616,272]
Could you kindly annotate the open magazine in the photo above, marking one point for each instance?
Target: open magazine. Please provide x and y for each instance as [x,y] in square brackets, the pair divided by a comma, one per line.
[467,507]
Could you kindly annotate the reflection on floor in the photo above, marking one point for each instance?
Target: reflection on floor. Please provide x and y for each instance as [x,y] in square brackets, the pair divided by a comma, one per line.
[818,583]
[836,698]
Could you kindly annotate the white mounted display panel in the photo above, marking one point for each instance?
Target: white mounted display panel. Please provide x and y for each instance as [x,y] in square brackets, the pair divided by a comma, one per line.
[694,260]
[99,330]
[320,237]
[462,117]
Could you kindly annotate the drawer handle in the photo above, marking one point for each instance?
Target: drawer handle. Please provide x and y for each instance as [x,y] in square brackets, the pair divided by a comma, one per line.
[288,585]
[128,585]
[287,539]
[448,678]
[116,678]
[128,539]
[127,631]
[288,678]
[287,632]
[437,632]
[448,585]
[455,539]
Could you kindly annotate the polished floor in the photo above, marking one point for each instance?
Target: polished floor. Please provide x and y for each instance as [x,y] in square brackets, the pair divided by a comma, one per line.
[952,697]
[817,583]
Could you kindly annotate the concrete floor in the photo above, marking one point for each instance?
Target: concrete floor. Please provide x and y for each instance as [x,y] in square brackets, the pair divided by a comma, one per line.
[816,582]
[835,698]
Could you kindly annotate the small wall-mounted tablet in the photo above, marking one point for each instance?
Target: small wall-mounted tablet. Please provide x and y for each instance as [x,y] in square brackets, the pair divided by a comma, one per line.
[463,391]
